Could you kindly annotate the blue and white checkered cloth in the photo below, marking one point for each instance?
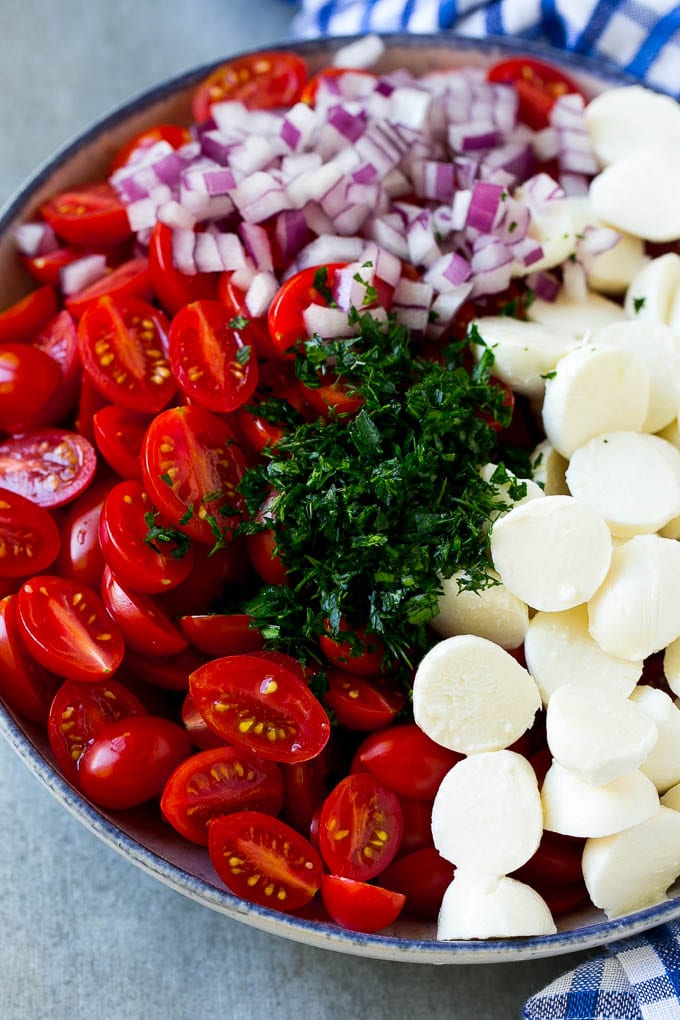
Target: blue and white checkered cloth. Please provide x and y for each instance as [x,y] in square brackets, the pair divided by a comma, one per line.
[640,36]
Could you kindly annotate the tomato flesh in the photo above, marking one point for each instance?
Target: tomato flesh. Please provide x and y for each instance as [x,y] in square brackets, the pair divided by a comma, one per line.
[219,634]
[22,320]
[29,537]
[91,215]
[360,703]
[24,684]
[29,379]
[143,622]
[260,81]
[360,827]
[131,279]
[359,906]
[538,85]
[118,434]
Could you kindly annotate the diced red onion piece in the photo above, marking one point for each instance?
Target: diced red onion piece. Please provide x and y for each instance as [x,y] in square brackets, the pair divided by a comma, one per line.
[444,308]
[448,272]
[460,208]
[387,235]
[350,287]
[329,248]
[574,184]
[411,304]
[596,241]
[516,158]
[574,282]
[299,163]
[314,184]
[141,214]
[387,266]
[484,205]
[35,238]
[317,220]
[231,252]
[423,249]
[491,281]
[380,149]
[512,221]
[473,136]
[174,214]
[206,254]
[217,145]
[259,196]
[410,106]
[365,52]
[242,278]
[256,242]
[351,219]
[253,153]
[544,285]
[396,183]
[326,322]
[575,150]
[350,125]
[183,242]
[541,188]
[434,180]
[82,272]
[527,250]
[290,232]
[260,294]
[545,144]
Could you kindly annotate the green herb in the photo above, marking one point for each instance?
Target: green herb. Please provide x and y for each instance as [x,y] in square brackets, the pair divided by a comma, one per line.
[243,355]
[166,479]
[512,227]
[238,322]
[321,285]
[549,375]
[370,293]
[638,304]
[158,536]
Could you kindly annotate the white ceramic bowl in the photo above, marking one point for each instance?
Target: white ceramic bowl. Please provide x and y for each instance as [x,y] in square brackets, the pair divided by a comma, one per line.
[141,835]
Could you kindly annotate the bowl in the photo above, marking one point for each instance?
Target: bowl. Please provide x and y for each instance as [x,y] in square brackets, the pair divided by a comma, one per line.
[140,835]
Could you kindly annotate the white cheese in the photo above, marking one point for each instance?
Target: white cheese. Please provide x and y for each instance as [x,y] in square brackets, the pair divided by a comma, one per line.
[523,351]
[573,807]
[651,212]
[651,293]
[610,115]
[479,906]
[579,317]
[662,764]
[493,613]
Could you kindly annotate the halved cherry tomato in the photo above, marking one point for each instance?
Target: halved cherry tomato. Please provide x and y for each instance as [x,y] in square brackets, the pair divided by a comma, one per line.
[363,703]
[29,537]
[65,626]
[197,727]
[173,134]
[119,434]
[22,320]
[24,684]
[261,81]
[358,905]
[89,402]
[78,713]
[219,782]
[48,466]
[212,363]
[538,85]
[149,567]
[405,759]
[174,289]
[308,94]
[262,549]
[219,634]
[417,825]
[306,789]
[90,215]
[366,657]
[131,279]
[170,672]
[121,343]
[360,827]
[263,860]
[142,620]
[80,557]
[259,705]
[285,317]
[29,379]
[191,465]
[213,570]
[47,268]
[423,877]
[130,760]
[333,398]
[59,339]
[254,333]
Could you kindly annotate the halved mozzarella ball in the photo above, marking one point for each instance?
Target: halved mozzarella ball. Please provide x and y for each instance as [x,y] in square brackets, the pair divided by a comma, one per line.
[579,317]
[627,480]
[507,497]
[671,433]
[523,351]
[671,666]
[597,735]
[655,345]
[671,454]
[479,906]
[493,613]
[487,813]
[594,390]
[470,695]
[553,553]
[634,868]
[552,225]
[610,115]
[671,798]
[549,469]
[573,807]
[612,270]
[662,764]
[635,612]
[651,293]
[560,650]
[651,212]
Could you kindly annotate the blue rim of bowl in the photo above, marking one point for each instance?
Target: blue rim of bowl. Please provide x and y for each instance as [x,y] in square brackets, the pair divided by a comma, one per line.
[312,932]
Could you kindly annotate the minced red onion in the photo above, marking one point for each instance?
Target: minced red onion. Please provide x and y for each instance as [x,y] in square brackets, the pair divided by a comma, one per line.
[483,206]
[260,293]
[35,238]
[545,285]
[81,273]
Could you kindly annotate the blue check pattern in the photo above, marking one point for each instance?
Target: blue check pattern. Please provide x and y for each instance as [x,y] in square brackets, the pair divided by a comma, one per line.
[640,36]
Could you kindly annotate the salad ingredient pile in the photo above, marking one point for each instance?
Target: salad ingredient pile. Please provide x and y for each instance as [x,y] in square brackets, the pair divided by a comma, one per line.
[340,490]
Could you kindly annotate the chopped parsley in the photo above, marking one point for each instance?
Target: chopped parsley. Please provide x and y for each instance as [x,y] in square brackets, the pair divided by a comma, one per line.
[238,322]
[638,304]
[158,536]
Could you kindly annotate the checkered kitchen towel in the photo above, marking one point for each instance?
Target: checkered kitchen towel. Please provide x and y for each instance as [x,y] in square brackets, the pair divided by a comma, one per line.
[640,36]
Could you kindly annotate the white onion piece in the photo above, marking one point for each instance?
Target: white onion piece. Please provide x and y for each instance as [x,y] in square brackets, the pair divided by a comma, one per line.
[260,293]
[34,239]
[82,272]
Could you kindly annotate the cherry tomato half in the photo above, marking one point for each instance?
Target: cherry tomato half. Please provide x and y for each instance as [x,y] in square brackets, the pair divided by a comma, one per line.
[29,537]
[263,860]
[130,760]
[423,877]
[219,634]
[131,279]
[261,81]
[22,320]
[538,85]
[174,289]
[360,703]
[29,379]
[212,364]
[406,760]
[118,434]
[80,557]
[358,905]
[67,629]
[48,466]
[364,656]
[173,134]
[218,782]
[25,685]
[142,620]
[259,705]
[91,215]
[77,715]
[121,342]
[285,317]
[360,827]
[254,332]
[59,339]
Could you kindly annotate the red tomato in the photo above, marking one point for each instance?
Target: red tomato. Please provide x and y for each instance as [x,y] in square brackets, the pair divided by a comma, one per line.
[219,782]
[29,537]
[423,877]
[138,564]
[306,790]
[131,279]
[417,825]
[261,81]
[191,465]
[332,399]
[89,402]
[77,715]
[121,343]
[170,672]
[173,134]
[48,466]
[47,268]
[80,558]
[59,339]
[118,434]
[358,905]
[22,320]
[261,706]
[197,727]
[143,622]
[406,760]
[538,85]
[130,760]
[284,319]
[556,863]
[66,628]
[360,827]
[255,333]
[174,289]
[366,658]
[362,703]
[91,215]
[256,432]
[29,379]
[24,684]
[211,362]
[221,633]
[211,573]
[263,860]
[263,554]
